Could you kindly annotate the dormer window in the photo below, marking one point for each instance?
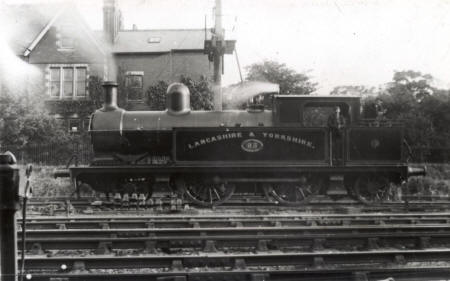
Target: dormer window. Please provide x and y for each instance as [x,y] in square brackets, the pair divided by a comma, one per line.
[154,40]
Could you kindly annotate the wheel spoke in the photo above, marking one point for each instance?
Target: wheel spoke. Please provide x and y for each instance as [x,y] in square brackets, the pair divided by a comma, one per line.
[293,194]
[309,189]
[371,188]
[301,191]
[217,194]
[209,194]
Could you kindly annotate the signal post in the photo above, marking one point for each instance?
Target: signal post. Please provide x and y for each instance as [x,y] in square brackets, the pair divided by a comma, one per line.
[9,204]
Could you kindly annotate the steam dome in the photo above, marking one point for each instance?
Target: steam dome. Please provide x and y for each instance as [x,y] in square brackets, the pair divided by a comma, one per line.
[178,99]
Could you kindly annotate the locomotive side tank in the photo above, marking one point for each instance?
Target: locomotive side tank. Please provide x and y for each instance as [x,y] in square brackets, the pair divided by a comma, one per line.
[115,130]
[287,152]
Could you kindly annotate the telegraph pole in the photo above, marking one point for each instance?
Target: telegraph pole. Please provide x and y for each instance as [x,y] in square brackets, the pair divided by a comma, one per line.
[218,43]
[216,48]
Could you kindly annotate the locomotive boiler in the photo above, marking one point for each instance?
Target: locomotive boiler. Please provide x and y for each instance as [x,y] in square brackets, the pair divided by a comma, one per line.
[285,152]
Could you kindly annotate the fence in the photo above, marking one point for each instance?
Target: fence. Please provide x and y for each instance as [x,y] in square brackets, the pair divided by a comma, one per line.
[55,155]
[431,155]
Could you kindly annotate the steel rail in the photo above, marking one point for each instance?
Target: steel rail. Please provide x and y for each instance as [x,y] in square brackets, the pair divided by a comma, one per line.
[260,241]
[258,238]
[213,215]
[232,221]
[430,273]
[354,261]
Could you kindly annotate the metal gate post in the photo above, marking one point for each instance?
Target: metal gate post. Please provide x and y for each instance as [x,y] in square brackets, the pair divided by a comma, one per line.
[9,204]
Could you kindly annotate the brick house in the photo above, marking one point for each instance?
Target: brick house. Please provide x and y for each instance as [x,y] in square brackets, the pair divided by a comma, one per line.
[56,39]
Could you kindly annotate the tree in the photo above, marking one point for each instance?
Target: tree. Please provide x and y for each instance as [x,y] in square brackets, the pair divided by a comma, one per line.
[156,95]
[201,94]
[424,109]
[24,121]
[358,90]
[289,80]
[413,83]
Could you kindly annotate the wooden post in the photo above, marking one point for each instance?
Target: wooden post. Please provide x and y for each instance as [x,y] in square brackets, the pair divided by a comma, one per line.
[9,204]
[218,43]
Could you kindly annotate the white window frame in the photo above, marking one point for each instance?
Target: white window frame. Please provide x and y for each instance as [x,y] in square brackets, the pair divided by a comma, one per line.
[74,81]
[128,75]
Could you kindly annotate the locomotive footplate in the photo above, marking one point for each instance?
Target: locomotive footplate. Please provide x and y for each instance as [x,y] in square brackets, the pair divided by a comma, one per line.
[214,183]
[208,168]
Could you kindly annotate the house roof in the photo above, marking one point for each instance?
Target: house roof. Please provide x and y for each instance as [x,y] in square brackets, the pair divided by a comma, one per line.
[160,41]
[26,22]
[30,22]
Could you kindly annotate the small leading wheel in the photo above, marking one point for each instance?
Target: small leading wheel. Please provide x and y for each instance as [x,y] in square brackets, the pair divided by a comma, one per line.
[208,193]
[370,189]
[291,193]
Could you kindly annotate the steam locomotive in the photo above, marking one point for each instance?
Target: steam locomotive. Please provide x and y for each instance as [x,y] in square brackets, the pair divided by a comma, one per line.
[285,152]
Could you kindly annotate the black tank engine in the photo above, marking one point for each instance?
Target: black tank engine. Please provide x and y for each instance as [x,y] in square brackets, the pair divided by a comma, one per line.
[289,152]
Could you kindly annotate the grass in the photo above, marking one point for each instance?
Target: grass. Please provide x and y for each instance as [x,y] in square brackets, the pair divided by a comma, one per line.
[435,183]
[45,185]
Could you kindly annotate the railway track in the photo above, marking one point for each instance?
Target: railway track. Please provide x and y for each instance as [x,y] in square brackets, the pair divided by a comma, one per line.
[319,204]
[242,247]
[234,220]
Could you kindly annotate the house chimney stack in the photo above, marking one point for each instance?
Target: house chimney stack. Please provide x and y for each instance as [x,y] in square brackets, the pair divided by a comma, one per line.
[111,20]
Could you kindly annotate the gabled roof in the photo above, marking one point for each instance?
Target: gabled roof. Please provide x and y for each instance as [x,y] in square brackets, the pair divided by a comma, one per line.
[159,41]
[30,22]
[27,22]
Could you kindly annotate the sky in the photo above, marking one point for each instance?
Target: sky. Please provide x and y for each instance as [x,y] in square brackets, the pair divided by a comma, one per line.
[341,42]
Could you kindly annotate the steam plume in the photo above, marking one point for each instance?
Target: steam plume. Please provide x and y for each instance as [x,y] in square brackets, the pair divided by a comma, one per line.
[240,93]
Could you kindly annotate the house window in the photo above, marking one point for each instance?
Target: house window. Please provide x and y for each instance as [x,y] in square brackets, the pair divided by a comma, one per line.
[68,81]
[74,125]
[81,81]
[86,123]
[67,42]
[66,39]
[55,82]
[134,81]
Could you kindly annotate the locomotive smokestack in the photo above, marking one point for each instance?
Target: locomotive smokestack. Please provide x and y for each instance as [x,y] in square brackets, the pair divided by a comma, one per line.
[110,90]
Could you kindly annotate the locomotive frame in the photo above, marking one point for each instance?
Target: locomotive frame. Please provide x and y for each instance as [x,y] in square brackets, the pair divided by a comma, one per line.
[215,153]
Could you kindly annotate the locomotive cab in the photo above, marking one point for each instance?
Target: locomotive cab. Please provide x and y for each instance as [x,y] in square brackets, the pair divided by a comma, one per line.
[310,111]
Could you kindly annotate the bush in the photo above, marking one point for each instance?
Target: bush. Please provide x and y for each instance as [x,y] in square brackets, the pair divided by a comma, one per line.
[45,185]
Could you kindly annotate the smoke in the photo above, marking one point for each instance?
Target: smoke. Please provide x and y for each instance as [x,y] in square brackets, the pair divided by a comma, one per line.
[111,70]
[242,92]
[16,75]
